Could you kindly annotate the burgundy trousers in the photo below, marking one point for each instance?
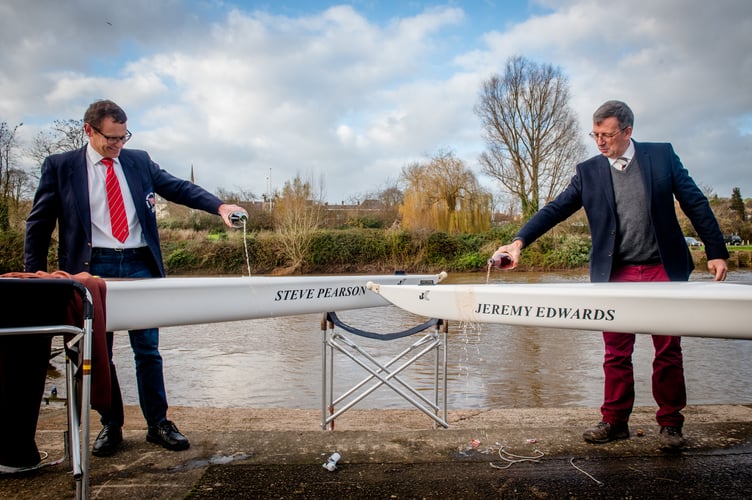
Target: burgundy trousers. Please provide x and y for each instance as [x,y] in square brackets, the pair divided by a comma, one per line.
[669,389]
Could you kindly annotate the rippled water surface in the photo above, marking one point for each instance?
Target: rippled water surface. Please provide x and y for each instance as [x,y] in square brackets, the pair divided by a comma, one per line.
[277,362]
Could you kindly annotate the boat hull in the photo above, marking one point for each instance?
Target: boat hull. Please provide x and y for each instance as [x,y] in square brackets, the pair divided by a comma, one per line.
[702,309]
[158,302]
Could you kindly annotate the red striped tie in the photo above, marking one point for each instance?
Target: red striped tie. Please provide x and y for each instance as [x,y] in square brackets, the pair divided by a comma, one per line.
[118,218]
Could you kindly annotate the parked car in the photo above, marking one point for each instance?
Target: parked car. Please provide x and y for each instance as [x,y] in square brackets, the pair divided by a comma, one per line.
[732,239]
[692,241]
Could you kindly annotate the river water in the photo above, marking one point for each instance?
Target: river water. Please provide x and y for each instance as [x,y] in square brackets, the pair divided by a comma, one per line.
[276,362]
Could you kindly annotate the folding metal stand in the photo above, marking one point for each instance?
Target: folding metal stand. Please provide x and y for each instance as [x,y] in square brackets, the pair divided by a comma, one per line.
[382,374]
[36,306]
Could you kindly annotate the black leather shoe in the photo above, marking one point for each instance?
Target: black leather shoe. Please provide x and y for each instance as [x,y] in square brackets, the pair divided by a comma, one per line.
[108,441]
[167,434]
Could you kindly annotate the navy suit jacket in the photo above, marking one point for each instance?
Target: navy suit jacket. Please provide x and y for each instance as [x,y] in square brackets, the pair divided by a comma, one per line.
[665,180]
[62,198]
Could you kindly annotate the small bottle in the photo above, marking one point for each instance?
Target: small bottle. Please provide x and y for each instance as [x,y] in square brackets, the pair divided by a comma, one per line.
[238,219]
[331,463]
[501,261]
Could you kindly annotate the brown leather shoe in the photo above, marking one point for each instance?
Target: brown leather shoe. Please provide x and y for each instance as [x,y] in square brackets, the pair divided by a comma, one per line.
[605,432]
[671,438]
[108,441]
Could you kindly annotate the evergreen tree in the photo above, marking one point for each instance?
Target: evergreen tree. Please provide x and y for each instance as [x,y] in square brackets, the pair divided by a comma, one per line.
[737,204]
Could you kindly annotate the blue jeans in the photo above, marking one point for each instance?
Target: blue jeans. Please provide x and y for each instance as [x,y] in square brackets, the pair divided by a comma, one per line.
[145,343]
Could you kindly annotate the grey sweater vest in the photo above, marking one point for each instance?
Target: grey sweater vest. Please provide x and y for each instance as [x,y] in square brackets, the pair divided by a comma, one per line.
[635,241]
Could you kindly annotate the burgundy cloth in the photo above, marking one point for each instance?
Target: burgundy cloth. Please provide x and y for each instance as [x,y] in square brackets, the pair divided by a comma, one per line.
[23,368]
[118,217]
[669,389]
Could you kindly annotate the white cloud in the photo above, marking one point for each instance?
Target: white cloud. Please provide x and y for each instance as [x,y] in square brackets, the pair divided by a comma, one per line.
[334,93]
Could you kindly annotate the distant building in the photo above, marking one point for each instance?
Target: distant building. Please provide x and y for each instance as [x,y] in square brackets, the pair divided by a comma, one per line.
[338,215]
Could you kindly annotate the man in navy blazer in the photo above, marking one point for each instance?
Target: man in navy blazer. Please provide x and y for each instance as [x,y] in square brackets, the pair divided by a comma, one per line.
[629,193]
[63,197]
[73,194]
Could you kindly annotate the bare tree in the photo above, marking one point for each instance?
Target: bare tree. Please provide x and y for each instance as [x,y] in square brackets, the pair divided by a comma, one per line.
[242,195]
[707,190]
[444,195]
[532,137]
[8,158]
[65,135]
[70,134]
[391,196]
[298,212]
[11,177]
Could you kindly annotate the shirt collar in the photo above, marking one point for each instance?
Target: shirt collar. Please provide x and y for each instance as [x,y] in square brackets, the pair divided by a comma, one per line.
[628,154]
[94,157]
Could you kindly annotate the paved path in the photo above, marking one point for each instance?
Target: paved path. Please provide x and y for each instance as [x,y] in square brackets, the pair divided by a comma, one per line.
[269,453]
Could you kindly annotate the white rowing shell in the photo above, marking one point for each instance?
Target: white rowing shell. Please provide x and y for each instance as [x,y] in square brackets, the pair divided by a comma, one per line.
[702,309]
[157,302]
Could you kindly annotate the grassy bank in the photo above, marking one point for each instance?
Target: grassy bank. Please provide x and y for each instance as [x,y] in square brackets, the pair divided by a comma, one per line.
[222,252]
[362,251]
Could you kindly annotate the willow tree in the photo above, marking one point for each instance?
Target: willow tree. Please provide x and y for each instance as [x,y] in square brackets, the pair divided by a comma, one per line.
[444,195]
[532,137]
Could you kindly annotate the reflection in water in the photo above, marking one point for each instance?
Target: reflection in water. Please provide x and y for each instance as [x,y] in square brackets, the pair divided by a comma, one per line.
[276,362]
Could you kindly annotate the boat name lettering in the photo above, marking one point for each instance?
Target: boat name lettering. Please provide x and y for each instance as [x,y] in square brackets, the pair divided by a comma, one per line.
[319,293]
[584,313]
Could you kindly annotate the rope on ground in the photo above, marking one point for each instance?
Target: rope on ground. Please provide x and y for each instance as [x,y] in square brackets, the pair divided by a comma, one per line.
[512,459]
[571,461]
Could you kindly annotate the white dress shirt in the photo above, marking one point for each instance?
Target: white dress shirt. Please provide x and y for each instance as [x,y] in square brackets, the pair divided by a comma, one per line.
[101,231]
[628,155]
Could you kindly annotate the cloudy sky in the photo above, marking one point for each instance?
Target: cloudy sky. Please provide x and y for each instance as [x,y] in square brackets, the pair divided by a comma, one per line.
[253,93]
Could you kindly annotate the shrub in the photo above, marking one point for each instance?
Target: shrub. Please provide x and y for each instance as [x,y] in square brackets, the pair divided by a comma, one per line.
[472,261]
[11,251]
[569,251]
[441,248]
[347,249]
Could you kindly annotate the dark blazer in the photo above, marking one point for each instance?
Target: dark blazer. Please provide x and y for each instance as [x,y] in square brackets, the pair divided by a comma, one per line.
[665,179]
[62,198]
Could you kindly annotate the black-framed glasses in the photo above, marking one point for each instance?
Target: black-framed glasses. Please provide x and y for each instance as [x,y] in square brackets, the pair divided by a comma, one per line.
[114,140]
[610,135]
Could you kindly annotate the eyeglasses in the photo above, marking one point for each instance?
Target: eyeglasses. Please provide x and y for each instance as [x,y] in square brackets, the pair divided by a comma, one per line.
[611,135]
[114,140]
